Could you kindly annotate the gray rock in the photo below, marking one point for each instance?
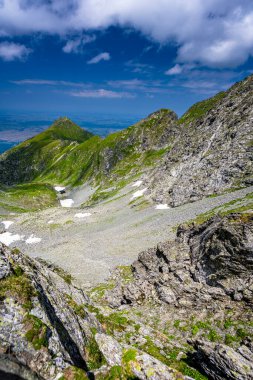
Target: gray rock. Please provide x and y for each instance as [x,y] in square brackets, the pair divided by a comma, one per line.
[110,348]
[211,153]
[221,362]
[5,268]
[67,327]
[11,369]
[211,262]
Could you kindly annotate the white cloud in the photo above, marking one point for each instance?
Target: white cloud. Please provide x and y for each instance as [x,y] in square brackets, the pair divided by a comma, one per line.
[72,46]
[131,84]
[76,45]
[10,51]
[216,33]
[175,70]
[100,57]
[46,82]
[102,93]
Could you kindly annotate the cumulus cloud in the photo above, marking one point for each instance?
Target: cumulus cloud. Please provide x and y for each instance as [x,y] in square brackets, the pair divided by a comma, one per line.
[215,33]
[101,93]
[175,70]
[98,58]
[76,45]
[9,51]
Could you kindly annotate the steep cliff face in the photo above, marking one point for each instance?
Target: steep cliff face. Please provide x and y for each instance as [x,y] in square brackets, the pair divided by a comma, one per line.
[213,151]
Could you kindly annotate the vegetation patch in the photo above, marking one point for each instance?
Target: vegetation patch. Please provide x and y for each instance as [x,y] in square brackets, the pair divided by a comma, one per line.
[37,333]
[28,197]
[98,292]
[94,357]
[200,109]
[74,373]
[78,309]
[241,205]
[19,287]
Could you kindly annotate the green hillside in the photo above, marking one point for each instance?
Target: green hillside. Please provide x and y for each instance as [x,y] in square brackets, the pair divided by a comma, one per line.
[68,155]
[26,161]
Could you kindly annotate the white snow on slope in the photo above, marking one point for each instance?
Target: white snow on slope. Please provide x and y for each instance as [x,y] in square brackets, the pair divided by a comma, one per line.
[82,215]
[162,207]
[139,193]
[7,223]
[33,240]
[7,238]
[137,184]
[59,188]
[66,202]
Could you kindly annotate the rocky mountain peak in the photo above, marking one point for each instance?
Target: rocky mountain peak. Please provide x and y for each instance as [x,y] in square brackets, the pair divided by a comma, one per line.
[163,113]
[213,151]
[64,121]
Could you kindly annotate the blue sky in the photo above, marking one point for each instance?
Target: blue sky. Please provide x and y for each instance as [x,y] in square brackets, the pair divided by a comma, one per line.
[120,56]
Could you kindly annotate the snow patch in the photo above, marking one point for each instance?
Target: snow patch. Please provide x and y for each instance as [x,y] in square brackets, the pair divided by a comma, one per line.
[7,238]
[137,184]
[139,193]
[66,202]
[33,240]
[162,207]
[7,223]
[50,222]
[59,188]
[82,215]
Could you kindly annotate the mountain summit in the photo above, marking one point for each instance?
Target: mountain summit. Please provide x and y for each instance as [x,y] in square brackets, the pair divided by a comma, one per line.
[65,129]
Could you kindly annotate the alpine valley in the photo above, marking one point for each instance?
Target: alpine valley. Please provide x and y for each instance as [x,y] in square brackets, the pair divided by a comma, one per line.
[131,256]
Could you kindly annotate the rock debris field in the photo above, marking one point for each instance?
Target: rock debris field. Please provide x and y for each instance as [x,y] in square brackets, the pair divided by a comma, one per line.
[90,242]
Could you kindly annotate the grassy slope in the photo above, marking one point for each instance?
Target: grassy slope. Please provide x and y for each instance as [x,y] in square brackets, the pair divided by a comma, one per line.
[24,162]
[66,154]
[27,197]
[201,108]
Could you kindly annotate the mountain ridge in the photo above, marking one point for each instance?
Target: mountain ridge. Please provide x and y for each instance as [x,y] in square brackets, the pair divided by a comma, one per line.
[206,151]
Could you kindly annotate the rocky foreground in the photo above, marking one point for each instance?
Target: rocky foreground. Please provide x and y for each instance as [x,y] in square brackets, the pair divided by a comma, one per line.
[182,311]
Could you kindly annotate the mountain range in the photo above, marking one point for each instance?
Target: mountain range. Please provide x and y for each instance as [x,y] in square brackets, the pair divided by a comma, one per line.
[206,152]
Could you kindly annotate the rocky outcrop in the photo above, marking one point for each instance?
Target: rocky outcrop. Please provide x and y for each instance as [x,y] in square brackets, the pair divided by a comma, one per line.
[205,273]
[140,364]
[207,265]
[222,362]
[49,329]
[213,151]
[45,324]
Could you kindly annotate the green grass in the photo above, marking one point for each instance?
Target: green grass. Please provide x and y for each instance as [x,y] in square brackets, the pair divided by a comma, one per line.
[200,109]
[27,197]
[98,292]
[169,357]
[242,205]
[94,357]
[37,333]
[19,287]
[78,309]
